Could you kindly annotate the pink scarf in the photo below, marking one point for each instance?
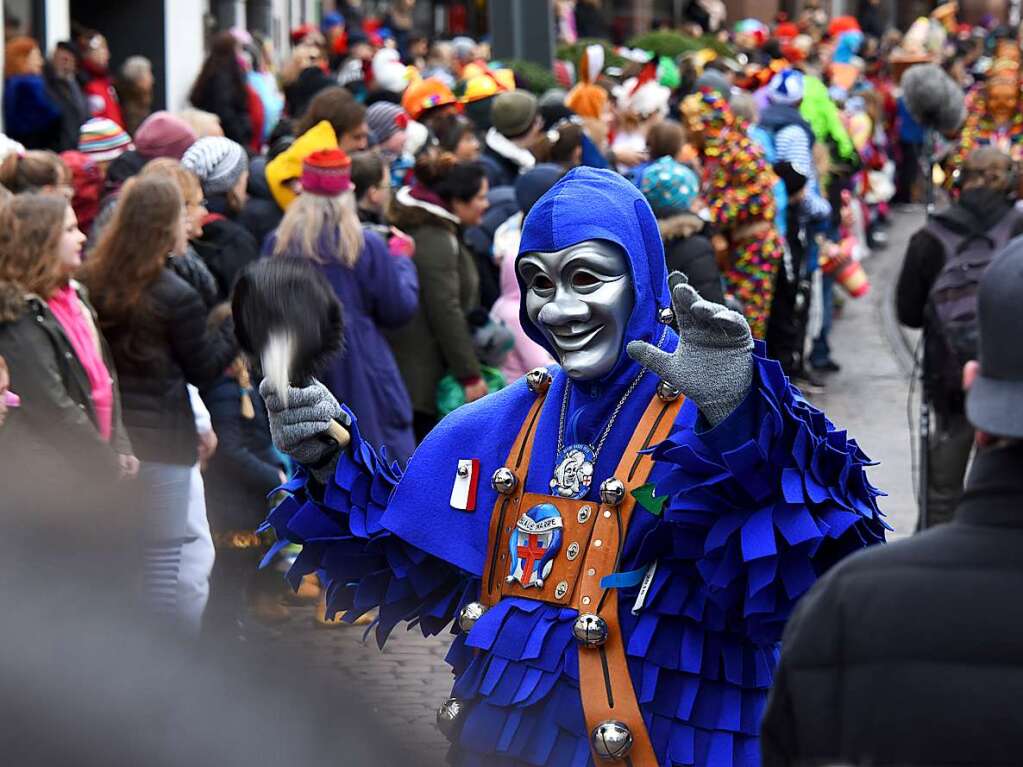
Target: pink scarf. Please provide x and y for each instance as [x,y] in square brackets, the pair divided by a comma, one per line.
[81,332]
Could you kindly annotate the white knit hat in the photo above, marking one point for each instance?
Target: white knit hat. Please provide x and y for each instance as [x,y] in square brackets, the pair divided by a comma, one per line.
[218,162]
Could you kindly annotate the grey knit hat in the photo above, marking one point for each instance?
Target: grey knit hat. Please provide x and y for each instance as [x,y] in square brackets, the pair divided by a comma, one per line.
[385,119]
[217,161]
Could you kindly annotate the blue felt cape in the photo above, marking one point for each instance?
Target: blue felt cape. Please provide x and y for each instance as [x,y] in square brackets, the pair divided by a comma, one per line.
[754,510]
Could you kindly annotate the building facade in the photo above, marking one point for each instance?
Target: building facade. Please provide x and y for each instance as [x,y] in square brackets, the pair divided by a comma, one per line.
[172,34]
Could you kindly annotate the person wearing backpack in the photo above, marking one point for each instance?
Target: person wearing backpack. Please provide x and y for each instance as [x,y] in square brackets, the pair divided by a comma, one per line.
[937,291]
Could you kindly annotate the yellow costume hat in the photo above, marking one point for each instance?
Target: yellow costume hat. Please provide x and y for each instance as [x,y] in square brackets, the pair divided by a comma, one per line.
[288,164]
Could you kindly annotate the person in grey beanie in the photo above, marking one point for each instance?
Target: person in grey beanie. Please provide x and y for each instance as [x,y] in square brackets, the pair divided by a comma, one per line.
[222,166]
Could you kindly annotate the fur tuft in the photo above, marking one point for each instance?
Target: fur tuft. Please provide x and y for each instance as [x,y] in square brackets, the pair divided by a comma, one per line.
[287,319]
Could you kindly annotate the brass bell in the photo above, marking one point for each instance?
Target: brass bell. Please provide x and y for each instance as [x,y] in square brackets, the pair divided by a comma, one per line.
[611,740]
[469,614]
[612,491]
[538,380]
[503,481]
[667,393]
[666,316]
[450,716]
[590,630]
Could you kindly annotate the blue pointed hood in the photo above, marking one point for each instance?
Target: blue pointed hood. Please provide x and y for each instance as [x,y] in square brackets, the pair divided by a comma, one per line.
[591,204]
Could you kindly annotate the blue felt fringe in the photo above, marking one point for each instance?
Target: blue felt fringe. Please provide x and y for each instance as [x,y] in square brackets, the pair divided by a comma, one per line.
[745,531]
[363,565]
[763,519]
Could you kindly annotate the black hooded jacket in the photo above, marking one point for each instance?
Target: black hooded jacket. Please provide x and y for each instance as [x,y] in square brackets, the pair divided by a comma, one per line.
[909,654]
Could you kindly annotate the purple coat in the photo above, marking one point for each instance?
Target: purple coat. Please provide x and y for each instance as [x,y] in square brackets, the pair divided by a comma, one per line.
[380,291]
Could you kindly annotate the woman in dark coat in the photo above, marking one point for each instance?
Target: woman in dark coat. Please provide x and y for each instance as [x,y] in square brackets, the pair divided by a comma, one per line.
[156,324]
[445,197]
[220,88]
[376,289]
[671,187]
[69,420]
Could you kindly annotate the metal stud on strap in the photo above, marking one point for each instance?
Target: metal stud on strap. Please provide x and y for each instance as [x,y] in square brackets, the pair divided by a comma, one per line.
[538,380]
[590,630]
[504,481]
[612,740]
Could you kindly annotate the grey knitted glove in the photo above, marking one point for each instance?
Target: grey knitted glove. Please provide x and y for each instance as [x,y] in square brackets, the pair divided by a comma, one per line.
[298,427]
[713,364]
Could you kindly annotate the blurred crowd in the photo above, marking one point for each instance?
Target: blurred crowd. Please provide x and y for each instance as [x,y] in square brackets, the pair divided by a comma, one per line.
[402,166]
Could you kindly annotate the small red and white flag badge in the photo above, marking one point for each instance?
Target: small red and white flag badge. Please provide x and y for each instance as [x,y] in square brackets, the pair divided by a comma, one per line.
[467,479]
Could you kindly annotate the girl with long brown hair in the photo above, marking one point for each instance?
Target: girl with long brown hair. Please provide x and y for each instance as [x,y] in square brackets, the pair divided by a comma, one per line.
[156,323]
[60,365]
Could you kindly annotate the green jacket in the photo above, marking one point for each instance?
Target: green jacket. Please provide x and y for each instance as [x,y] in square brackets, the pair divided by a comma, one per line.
[437,340]
[822,114]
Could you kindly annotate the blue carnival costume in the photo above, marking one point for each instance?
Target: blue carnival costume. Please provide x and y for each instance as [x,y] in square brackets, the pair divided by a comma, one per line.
[733,524]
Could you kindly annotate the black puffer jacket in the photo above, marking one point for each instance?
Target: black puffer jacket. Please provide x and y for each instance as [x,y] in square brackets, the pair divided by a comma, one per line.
[261,213]
[909,654]
[226,248]
[179,350]
[55,429]
[688,250]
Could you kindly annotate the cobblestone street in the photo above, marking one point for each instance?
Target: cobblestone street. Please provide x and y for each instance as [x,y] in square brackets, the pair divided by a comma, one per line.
[408,680]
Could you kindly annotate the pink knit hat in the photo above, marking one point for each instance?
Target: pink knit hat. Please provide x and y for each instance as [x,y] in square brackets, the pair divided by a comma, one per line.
[327,172]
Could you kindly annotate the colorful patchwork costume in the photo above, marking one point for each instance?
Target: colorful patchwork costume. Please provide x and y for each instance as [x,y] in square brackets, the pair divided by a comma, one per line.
[630,608]
[740,200]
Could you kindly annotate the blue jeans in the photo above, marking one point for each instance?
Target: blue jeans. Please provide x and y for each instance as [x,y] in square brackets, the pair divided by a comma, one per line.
[178,547]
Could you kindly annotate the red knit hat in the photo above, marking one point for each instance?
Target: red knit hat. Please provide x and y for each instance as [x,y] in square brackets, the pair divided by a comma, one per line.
[327,172]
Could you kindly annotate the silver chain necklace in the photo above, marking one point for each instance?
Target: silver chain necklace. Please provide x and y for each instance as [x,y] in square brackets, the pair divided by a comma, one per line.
[574,473]
[611,421]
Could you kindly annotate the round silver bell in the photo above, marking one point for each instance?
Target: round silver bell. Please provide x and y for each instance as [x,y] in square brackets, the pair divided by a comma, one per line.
[538,380]
[450,716]
[503,481]
[666,316]
[469,614]
[590,630]
[667,392]
[612,491]
[611,740]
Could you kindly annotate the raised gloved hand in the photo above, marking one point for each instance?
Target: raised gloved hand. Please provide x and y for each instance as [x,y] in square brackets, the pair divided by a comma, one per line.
[299,428]
[713,364]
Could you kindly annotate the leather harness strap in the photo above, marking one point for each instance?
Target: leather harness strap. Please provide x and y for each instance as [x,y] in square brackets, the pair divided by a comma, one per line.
[605,685]
[507,507]
[594,537]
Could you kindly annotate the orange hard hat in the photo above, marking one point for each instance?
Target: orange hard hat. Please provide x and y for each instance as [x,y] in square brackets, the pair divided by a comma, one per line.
[426,94]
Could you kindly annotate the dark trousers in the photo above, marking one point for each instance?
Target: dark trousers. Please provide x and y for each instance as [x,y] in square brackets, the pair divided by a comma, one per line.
[949,448]
[786,328]
[907,172]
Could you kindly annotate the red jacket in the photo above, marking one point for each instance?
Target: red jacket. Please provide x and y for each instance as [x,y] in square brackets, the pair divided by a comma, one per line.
[100,95]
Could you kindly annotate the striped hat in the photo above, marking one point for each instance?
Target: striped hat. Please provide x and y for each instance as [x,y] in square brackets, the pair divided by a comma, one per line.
[218,162]
[103,139]
[385,119]
[327,173]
